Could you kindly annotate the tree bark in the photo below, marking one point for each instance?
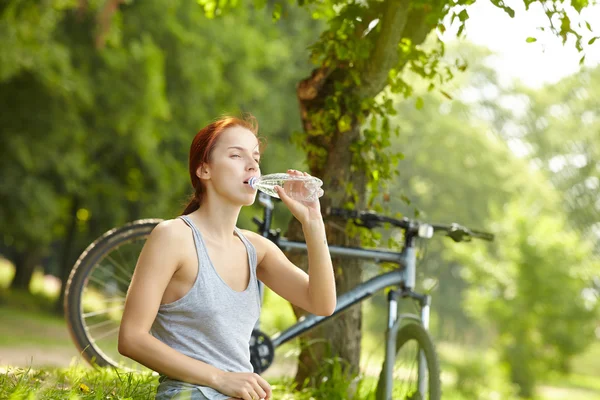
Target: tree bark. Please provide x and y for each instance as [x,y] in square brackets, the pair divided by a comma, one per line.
[25,263]
[66,259]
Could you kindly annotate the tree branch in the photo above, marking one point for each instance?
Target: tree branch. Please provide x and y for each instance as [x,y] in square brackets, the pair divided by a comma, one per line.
[385,54]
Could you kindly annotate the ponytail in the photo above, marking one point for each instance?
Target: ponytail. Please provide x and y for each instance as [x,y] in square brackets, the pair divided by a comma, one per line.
[192,206]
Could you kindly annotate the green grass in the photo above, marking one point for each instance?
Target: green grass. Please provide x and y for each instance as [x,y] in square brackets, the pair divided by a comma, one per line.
[108,384]
[75,383]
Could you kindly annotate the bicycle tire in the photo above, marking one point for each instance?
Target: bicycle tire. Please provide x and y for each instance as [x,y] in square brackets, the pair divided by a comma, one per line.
[415,331]
[79,279]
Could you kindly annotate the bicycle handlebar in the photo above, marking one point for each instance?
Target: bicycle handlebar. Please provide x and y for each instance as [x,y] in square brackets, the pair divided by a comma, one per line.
[370,220]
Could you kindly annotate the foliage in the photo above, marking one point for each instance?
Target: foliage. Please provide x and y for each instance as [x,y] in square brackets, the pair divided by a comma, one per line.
[369,46]
[456,169]
[455,166]
[557,127]
[95,136]
[526,283]
[480,375]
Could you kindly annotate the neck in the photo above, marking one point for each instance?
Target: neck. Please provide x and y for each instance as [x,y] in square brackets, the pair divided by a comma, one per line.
[216,220]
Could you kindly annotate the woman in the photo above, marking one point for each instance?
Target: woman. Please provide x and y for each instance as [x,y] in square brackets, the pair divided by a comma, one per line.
[193,299]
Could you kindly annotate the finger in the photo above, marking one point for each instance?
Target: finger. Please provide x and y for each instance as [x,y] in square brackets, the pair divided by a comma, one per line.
[247,396]
[282,194]
[264,385]
[259,391]
[254,395]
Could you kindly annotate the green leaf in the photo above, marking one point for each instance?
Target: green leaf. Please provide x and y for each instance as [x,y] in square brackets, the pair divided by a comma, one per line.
[276,12]
[531,40]
[592,40]
[345,123]
[419,103]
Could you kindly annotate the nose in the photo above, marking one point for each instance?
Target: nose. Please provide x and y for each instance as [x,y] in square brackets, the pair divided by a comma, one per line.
[253,166]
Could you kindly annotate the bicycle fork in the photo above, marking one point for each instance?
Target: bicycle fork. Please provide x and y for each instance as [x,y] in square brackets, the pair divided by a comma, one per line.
[394,321]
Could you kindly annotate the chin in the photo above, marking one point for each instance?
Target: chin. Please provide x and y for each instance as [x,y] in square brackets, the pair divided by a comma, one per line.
[248,200]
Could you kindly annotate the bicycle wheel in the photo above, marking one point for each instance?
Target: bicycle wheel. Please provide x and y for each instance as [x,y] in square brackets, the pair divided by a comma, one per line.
[412,340]
[96,289]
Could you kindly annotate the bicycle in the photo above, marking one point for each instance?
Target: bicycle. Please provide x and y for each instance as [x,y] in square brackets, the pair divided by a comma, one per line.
[97,285]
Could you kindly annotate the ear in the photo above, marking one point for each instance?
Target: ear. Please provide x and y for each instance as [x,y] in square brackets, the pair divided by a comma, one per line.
[203,172]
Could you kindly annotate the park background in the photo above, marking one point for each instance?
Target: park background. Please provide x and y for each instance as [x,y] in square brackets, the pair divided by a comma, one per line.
[99,105]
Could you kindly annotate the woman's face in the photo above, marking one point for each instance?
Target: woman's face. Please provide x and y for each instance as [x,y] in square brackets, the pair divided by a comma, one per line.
[233,161]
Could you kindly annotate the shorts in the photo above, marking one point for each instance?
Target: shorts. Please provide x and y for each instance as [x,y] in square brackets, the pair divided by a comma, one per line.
[177,390]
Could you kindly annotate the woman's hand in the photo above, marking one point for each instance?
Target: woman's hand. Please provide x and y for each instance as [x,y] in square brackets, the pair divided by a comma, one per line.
[243,385]
[304,211]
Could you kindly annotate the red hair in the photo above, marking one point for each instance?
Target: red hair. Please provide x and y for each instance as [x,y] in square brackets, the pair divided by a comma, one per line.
[202,147]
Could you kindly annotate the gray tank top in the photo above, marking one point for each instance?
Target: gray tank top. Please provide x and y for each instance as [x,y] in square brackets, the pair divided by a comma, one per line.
[212,322]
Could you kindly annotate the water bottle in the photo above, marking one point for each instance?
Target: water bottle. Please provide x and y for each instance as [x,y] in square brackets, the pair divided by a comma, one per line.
[298,187]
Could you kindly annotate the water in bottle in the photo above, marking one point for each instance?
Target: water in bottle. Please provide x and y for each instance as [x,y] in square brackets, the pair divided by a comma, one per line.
[298,187]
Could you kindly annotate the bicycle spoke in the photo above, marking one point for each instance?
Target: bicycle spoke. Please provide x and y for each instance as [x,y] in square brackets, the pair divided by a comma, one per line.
[120,267]
[406,376]
[106,334]
[100,312]
[115,276]
[103,284]
[101,324]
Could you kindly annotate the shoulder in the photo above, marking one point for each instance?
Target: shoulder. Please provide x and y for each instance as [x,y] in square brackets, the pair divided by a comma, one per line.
[260,243]
[170,231]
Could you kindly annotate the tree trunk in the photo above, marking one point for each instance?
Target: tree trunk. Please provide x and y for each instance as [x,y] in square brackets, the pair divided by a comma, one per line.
[25,263]
[66,260]
[398,20]
[340,337]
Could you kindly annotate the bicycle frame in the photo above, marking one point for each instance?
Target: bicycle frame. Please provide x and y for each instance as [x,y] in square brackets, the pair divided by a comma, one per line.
[403,277]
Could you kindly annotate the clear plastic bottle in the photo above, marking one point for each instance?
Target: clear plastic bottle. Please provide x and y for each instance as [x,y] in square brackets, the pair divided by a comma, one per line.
[301,188]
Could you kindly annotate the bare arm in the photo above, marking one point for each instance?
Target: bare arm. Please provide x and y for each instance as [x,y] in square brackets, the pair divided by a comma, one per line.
[315,291]
[321,284]
[159,260]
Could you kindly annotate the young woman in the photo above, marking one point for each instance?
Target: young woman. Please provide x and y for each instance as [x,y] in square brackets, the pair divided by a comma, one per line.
[193,299]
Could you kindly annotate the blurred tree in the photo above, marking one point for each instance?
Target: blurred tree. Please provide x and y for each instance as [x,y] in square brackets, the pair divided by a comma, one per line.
[365,48]
[459,177]
[37,83]
[558,127]
[454,168]
[531,285]
[101,136]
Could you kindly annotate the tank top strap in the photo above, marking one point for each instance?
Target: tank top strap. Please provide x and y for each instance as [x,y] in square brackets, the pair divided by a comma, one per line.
[201,250]
[249,247]
[195,231]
